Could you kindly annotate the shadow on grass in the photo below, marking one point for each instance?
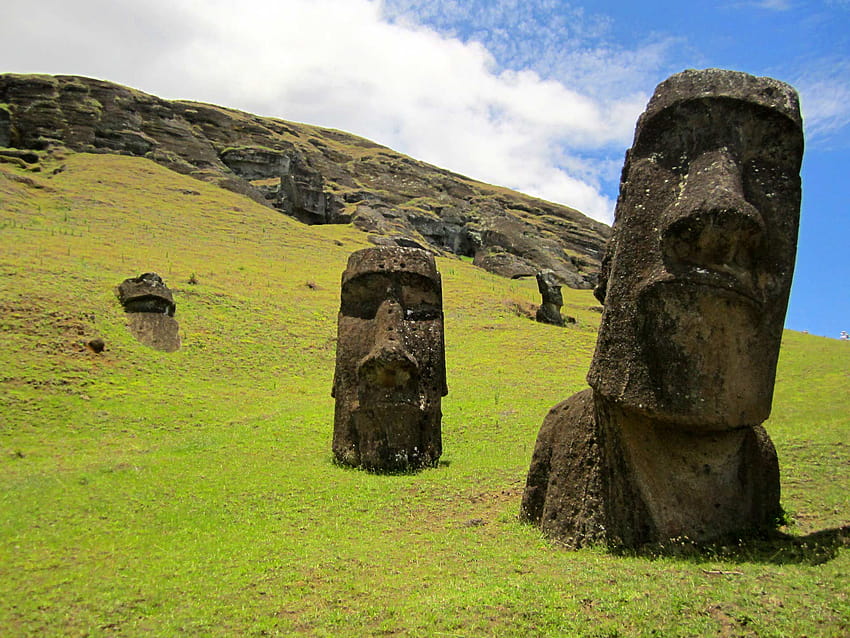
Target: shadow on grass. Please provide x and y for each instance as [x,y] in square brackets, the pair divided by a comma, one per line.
[777,548]
[401,471]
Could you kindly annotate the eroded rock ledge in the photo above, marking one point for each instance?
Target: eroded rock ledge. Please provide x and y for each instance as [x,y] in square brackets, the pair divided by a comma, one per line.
[315,175]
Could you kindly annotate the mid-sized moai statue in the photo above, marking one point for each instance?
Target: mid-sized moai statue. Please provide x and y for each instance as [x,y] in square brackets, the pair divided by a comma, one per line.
[550,290]
[390,361]
[667,443]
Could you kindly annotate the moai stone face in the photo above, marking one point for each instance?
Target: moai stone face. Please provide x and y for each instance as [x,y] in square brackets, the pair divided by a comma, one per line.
[146,293]
[390,366]
[696,280]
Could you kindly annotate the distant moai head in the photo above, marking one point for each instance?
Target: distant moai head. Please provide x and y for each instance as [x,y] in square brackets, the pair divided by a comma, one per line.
[550,289]
[696,278]
[150,308]
[390,364]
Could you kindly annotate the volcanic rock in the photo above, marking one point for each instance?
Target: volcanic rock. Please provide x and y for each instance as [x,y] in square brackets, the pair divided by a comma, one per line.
[550,310]
[315,175]
[390,371]
[146,293]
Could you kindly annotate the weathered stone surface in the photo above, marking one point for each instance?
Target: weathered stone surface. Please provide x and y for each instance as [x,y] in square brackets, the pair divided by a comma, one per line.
[5,126]
[695,283]
[565,490]
[602,475]
[699,268]
[146,293]
[315,175]
[390,364]
[96,345]
[150,308]
[526,243]
[253,163]
[504,264]
[287,182]
[28,157]
[160,332]
[550,290]
[302,195]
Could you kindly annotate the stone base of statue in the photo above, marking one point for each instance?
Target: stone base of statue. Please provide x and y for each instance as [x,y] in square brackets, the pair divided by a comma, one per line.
[600,475]
[389,438]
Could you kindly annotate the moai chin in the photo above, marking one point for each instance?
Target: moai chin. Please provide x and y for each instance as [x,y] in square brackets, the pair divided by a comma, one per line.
[667,442]
[390,362]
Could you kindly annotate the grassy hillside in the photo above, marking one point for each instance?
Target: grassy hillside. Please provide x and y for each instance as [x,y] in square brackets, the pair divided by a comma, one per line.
[311,173]
[194,493]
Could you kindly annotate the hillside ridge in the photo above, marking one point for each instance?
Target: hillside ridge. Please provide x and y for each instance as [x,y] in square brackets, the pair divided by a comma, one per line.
[316,175]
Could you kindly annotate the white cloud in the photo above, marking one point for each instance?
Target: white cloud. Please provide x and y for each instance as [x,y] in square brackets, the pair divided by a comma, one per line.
[825,99]
[340,63]
[774,5]
[769,5]
[555,38]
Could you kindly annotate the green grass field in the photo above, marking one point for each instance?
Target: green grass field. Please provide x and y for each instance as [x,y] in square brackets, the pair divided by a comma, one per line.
[194,493]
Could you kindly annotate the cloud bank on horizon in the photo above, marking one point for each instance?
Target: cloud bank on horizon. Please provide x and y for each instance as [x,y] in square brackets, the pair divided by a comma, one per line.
[536,95]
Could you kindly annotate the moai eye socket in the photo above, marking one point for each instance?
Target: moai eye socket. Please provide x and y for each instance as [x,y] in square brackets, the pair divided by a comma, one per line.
[363,295]
[419,297]
[422,312]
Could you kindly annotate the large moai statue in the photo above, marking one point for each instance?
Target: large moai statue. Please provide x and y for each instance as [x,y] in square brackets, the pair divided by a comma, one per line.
[390,361]
[667,442]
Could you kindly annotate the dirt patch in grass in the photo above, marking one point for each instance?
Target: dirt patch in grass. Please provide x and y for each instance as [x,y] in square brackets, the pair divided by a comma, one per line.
[57,331]
[521,308]
[732,623]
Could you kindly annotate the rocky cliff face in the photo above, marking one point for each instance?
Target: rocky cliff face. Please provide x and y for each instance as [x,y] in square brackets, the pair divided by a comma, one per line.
[316,175]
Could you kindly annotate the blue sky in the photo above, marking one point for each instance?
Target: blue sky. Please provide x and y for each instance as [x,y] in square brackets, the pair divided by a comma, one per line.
[538,95]
[806,44]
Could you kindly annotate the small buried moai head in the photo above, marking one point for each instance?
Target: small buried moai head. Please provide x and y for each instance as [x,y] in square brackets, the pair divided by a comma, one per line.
[696,278]
[150,308]
[390,362]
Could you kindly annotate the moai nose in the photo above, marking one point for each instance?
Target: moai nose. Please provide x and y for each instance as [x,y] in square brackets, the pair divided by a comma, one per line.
[388,321]
[388,365]
[711,225]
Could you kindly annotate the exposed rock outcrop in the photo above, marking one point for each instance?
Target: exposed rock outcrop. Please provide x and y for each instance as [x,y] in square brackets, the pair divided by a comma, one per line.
[313,174]
[5,125]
